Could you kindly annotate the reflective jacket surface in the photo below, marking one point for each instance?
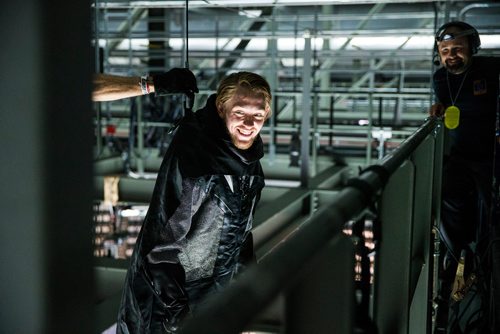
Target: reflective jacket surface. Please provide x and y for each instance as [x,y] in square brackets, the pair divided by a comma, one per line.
[196,233]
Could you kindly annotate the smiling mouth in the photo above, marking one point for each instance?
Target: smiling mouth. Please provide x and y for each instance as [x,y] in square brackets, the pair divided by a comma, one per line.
[245,133]
[454,61]
[455,64]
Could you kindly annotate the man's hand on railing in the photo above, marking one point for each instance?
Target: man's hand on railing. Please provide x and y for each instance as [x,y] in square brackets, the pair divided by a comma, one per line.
[437,109]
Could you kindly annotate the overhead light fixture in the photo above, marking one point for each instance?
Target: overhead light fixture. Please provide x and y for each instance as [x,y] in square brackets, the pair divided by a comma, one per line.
[382,133]
[130,213]
[251,13]
[233,3]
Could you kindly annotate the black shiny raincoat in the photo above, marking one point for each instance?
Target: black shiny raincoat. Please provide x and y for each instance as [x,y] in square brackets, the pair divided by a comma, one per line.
[196,234]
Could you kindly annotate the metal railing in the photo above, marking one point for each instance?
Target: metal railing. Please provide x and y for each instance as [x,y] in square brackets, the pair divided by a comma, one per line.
[313,270]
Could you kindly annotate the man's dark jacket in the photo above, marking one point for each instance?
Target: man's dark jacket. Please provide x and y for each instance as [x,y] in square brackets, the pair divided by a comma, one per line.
[468,162]
[196,233]
[475,93]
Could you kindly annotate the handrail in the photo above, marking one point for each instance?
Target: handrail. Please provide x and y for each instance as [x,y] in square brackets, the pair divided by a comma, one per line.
[394,159]
[234,308]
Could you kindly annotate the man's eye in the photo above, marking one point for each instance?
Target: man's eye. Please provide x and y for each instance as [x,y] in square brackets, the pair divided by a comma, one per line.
[258,116]
[239,113]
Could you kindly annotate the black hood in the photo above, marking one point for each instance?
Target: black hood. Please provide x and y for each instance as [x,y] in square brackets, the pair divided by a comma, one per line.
[215,127]
[203,146]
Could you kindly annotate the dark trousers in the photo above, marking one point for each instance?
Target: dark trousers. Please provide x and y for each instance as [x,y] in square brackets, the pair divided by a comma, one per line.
[466,192]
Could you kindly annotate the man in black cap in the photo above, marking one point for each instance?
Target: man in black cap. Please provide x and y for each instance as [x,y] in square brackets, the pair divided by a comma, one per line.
[466,88]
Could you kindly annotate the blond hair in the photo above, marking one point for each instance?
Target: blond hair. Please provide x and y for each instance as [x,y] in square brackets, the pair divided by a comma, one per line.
[248,80]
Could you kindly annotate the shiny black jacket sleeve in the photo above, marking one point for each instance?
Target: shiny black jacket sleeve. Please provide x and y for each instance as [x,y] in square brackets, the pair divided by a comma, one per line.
[170,305]
[154,298]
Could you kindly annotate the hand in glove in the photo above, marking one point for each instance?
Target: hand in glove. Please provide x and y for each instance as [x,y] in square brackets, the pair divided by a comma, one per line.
[177,80]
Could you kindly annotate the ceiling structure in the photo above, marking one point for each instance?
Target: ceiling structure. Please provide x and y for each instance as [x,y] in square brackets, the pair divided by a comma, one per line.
[371,64]
[351,77]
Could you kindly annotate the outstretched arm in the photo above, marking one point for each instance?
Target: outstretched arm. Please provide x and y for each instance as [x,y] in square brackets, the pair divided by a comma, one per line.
[111,87]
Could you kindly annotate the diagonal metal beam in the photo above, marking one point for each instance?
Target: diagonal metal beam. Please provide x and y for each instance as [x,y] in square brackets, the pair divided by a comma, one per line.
[378,66]
[136,14]
[238,50]
[374,10]
[361,81]
[245,25]
[331,61]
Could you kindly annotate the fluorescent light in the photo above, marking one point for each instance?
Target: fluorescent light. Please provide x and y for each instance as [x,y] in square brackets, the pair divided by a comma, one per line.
[251,13]
[257,44]
[376,43]
[382,133]
[130,213]
[490,41]
[420,42]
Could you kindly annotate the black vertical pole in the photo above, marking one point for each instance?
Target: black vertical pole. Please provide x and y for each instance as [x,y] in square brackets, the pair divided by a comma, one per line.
[46,281]
[332,106]
[156,25]
[380,108]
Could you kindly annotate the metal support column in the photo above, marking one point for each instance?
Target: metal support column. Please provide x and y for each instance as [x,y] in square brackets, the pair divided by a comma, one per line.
[369,136]
[273,82]
[306,112]
[140,137]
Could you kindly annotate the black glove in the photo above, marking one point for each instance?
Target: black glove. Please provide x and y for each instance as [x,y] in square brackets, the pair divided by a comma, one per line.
[177,80]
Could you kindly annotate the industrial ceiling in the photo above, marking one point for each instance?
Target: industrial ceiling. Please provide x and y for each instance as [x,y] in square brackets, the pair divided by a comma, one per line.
[371,64]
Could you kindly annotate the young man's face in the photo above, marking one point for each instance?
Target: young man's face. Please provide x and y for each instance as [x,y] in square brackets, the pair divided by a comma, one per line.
[455,54]
[244,115]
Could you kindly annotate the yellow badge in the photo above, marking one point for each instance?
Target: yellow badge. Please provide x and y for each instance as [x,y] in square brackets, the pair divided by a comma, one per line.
[451,117]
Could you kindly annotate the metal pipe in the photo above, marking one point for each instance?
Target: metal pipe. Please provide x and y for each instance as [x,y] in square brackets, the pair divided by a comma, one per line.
[273,75]
[188,98]
[241,4]
[463,11]
[186,31]
[97,69]
[370,113]
[394,159]
[140,137]
[306,112]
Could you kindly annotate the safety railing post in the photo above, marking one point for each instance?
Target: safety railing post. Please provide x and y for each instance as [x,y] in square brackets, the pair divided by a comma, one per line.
[421,254]
[392,264]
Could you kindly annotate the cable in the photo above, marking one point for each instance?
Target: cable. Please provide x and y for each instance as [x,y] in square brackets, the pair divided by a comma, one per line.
[189,98]
[186,32]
